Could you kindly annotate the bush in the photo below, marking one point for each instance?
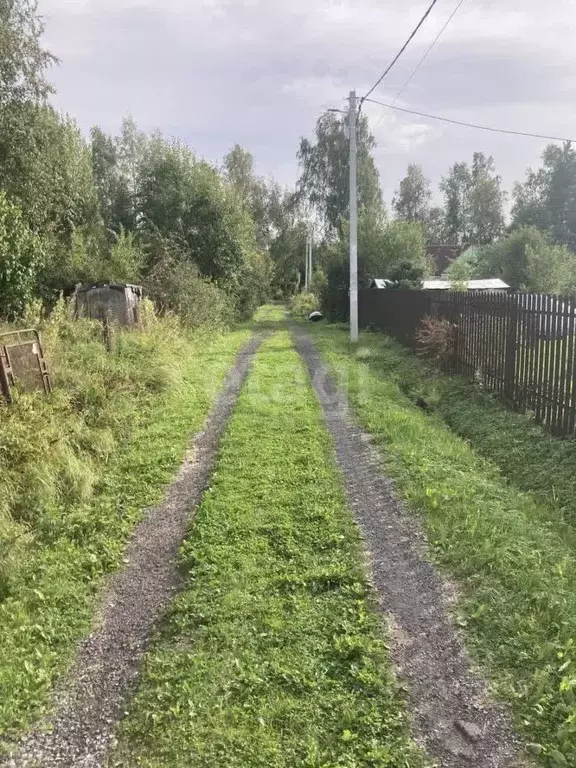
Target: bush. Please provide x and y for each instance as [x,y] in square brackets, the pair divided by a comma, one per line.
[20,257]
[436,339]
[304,303]
[176,286]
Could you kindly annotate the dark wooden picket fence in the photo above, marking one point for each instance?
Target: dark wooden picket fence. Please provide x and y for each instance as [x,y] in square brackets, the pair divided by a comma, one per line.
[522,346]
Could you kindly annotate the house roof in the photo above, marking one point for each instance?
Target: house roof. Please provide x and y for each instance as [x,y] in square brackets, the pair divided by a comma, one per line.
[382,283]
[443,256]
[490,284]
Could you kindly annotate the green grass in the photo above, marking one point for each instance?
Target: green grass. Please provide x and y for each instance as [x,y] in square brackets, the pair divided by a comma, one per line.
[511,557]
[273,654]
[526,454]
[77,471]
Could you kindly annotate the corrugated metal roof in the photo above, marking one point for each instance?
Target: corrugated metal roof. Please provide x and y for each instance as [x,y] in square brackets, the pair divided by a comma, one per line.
[490,284]
[382,283]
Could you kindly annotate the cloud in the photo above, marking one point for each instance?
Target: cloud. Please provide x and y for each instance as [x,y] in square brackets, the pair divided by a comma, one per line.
[214,72]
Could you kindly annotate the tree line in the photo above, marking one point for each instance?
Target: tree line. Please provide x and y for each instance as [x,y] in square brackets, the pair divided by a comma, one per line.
[204,239]
[212,241]
[534,250]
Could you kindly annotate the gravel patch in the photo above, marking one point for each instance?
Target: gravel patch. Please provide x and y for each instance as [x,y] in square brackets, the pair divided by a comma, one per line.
[92,699]
[453,717]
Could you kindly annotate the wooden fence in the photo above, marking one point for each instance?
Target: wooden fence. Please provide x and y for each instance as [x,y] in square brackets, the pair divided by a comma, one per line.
[522,346]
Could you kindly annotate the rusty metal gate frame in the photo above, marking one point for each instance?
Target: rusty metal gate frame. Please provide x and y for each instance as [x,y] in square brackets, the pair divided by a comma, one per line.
[7,377]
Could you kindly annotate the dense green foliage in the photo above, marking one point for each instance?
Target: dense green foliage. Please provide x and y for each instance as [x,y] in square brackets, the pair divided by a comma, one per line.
[20,259]
[528,259]
[536,252]
[272,656]
[510,552]
[303,304]
[547,199]
[78,469]
[98,209]
[324,183]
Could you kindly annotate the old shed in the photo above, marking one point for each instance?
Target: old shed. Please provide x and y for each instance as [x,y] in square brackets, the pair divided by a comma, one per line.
[116,303]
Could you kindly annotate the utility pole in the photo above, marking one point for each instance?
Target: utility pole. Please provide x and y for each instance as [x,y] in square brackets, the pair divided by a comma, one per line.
[310,270]
[306,279]
[353,220]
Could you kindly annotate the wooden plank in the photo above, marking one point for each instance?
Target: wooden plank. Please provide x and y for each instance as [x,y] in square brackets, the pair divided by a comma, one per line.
[555,368]
[527,304]
[571,373]
[560,383]
[548,357]
[533,352]
[538,366]
[511,346]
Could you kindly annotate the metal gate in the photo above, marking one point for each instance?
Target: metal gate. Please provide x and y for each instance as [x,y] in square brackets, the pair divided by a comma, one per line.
[22,363]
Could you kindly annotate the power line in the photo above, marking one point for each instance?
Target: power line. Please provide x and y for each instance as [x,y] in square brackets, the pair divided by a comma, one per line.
[423,59]
[470,125]
[400,52]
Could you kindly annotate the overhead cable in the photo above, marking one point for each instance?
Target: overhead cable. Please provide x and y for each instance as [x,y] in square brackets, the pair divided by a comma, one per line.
[470,125]
[400,52]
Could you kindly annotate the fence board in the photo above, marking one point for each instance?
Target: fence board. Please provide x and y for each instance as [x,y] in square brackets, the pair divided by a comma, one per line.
[522,346]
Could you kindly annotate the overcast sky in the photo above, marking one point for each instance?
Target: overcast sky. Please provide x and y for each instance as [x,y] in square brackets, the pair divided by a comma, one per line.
[258,72]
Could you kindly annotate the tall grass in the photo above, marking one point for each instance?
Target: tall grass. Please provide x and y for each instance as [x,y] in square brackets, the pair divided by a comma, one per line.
[77,469]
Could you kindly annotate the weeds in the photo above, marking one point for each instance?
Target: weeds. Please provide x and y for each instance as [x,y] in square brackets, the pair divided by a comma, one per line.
[303,304]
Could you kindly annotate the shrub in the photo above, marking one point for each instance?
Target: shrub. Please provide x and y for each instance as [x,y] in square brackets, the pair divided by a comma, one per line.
[20,257]
[303,304]
[176,286]
[436,339]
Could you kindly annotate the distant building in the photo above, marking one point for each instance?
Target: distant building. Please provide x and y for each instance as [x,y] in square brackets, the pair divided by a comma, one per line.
[109,302]
[443,255]
[381,283]
[490,285]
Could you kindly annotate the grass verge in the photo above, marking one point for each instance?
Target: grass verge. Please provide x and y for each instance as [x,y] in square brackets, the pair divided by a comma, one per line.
[526,454]
[273,654]
[78,469]
[514,562]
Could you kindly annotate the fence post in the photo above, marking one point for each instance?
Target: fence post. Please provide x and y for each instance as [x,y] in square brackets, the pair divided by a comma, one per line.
[511,350]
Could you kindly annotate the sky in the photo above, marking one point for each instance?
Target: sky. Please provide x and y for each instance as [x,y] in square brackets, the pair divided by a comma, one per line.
[259,72]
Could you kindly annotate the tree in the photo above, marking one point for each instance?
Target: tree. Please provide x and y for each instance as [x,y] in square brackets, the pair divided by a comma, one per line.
[486,201]
[385,248]
[435,224]
[528,259]
[474,202]
[406,276]
[412,199]
[20,257]
[323,182]
[187,201]
[23,61]
[287,249]
[117,204]
[456,190]
[258,197]
[459,273]
[547,199]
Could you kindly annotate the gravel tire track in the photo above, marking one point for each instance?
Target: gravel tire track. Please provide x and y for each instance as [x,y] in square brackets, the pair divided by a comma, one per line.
[453,717]
[92,699]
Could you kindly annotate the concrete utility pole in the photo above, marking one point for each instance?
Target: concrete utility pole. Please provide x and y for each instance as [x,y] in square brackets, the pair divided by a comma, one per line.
[353,220]
[310,270]
[306,280]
